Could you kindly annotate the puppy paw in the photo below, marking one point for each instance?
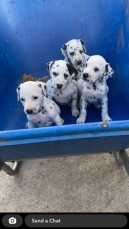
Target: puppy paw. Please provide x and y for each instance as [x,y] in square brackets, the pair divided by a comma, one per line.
[80,120]
[47,124]
[61,122]
[75,112]
[107,119]
[27,125]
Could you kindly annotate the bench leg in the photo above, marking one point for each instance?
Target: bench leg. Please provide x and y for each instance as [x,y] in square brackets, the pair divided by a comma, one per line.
[8,169]
[122,158]
[117,158]
[125,159]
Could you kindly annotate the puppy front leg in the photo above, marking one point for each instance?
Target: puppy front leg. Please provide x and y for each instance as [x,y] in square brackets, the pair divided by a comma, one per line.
[29,125]
[57,120]
[75,111]
[104,112]
[83,111]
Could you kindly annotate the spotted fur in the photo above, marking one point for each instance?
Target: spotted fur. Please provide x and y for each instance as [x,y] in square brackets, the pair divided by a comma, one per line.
[61,87]
[92,87]
[74,52]
[40,110]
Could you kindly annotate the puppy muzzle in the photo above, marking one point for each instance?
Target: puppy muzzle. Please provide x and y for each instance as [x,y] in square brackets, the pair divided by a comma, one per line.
[29,111]
[60,86]
[86,77]
[32,112]
[79,62]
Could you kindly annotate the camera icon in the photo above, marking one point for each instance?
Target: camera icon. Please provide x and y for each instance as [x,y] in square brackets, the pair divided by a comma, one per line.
[12,220]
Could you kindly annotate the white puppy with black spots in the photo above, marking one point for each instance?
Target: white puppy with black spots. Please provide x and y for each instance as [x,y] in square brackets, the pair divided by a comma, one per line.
[93,87]
[61,87]
[40,110]
[74,52]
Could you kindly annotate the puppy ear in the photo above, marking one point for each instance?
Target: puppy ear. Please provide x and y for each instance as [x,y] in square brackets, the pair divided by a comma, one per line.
[71,69]
[42,85]
[18,92]
[83,44]
[108,71]
[49,65]
[64,50]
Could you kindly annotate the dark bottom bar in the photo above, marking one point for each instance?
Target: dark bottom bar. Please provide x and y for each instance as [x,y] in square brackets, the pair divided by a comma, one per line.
[65,220]
[74,220]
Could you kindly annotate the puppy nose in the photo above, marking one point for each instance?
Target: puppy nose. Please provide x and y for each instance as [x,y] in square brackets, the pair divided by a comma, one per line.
[85,75]
[29,111]
[79,62]
[59,86]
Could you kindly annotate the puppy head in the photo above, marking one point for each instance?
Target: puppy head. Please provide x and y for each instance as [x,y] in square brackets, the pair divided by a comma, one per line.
[60,72]
[74,51]
[31,95]
[96,68]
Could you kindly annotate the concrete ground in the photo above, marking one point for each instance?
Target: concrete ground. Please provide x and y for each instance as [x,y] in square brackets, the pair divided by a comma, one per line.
[89,183]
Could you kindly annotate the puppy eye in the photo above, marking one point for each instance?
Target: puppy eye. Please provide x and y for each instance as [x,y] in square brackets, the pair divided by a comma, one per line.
[22,99]
[72,53]
[35,97]
[66,76]
[96,69]
[55,73]
[81,51]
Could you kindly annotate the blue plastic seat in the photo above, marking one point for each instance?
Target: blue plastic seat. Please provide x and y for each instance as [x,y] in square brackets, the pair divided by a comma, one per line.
[31,34]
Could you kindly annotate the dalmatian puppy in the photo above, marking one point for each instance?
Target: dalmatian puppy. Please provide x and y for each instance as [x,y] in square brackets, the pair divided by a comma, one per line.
[61,87]
[74,52]
[40,110]
[93,87]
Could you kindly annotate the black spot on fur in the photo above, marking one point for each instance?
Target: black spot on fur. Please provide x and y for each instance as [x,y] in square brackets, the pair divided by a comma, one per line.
[94,86]
[39,85]
[18,88]
[82,42]
[71,69]
[49,65]
[64,47]
[106,68]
